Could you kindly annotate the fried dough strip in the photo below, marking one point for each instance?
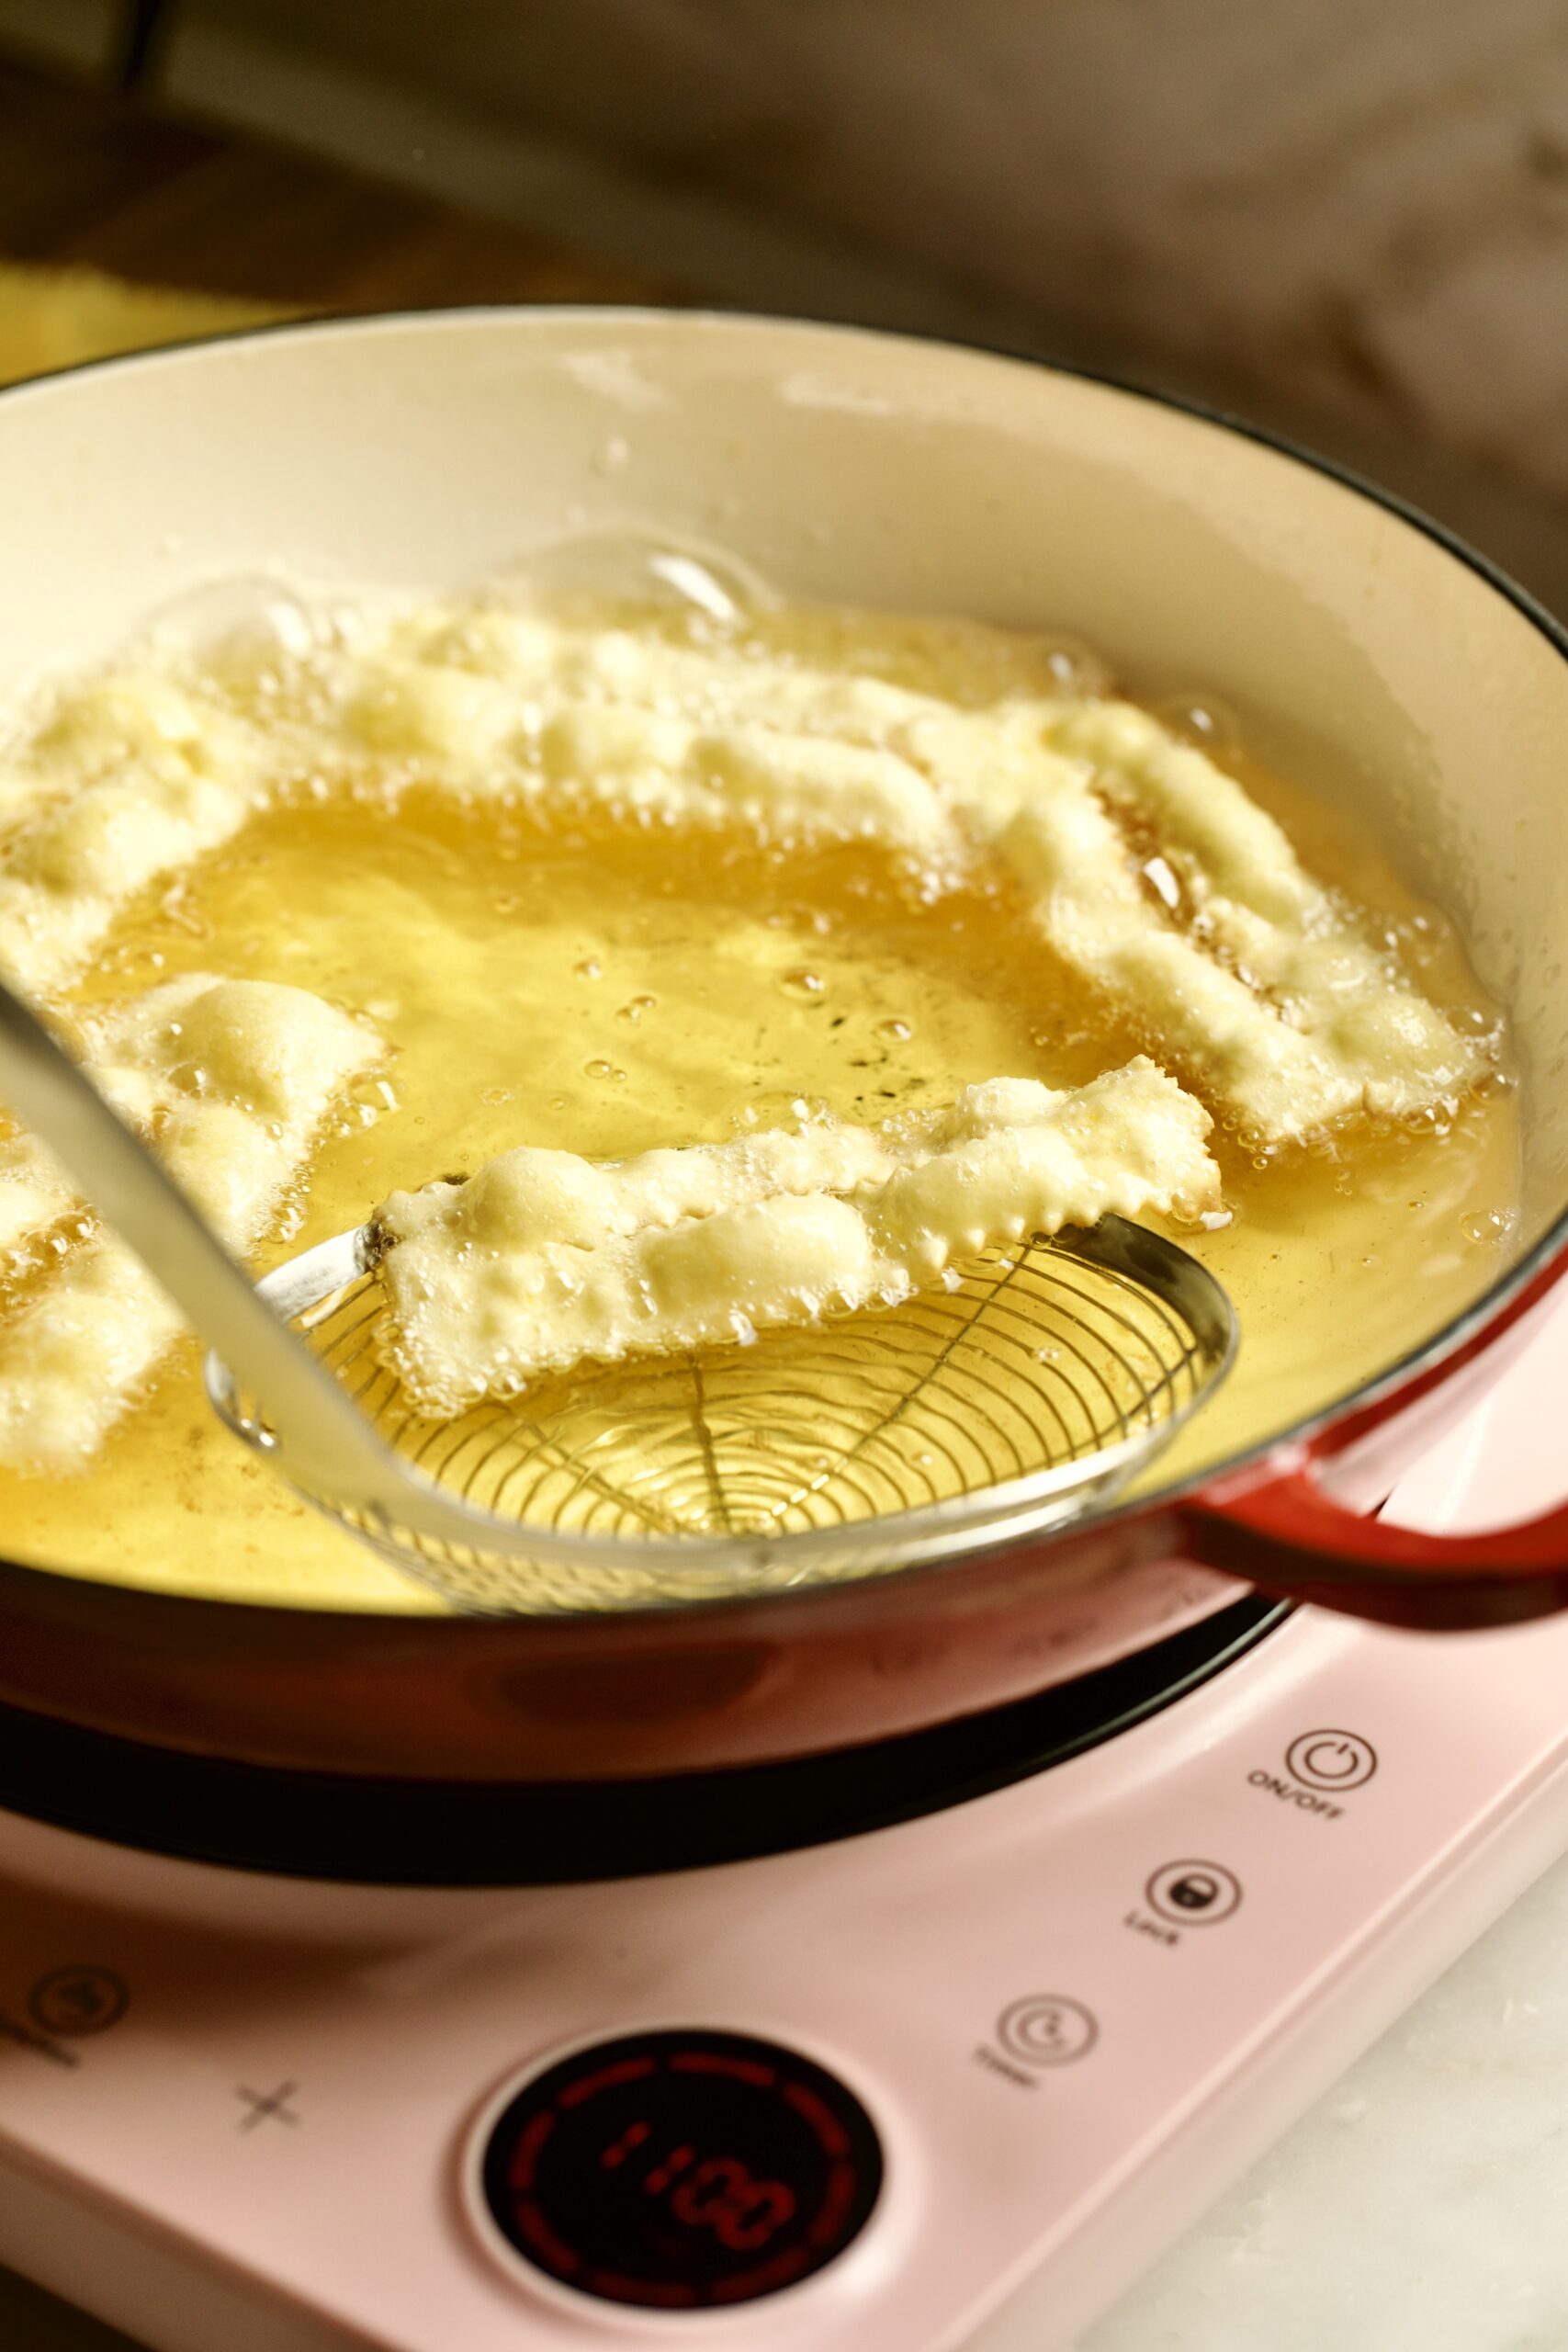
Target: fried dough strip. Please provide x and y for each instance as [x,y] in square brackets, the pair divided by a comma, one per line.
[479,1303]
[1214,1028]
[539,659]
[133,779]
[35,1192]
[1380,1046]
[231,1079]
[651,762]
[531,1195]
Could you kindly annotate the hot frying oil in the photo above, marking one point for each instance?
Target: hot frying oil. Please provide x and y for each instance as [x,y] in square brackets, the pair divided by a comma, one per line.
[606,988]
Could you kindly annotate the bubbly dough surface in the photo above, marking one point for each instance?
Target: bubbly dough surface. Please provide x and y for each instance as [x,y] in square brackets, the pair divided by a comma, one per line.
[228,1080]
[132,778]
[1273,995]
[541,1260]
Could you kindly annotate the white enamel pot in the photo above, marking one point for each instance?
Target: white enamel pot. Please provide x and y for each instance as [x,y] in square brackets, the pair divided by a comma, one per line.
[1367,654]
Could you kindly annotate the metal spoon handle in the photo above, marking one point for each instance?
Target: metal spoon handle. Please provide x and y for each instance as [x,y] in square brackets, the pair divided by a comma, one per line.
[320,1427]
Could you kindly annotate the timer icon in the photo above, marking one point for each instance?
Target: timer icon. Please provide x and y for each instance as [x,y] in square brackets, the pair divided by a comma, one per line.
[1047,2030]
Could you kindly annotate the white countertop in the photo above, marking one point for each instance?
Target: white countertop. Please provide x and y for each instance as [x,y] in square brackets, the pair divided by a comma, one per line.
[1423,2202]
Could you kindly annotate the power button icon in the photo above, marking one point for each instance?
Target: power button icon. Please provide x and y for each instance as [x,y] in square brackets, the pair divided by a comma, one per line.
[1331,1759]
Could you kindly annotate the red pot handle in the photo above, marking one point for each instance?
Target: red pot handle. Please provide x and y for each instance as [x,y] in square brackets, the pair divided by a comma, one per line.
[1287,1536]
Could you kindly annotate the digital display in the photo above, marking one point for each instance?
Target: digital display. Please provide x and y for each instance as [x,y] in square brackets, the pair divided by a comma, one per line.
[682,2170]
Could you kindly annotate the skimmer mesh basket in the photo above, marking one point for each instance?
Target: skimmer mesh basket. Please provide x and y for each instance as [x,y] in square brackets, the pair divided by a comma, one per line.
[1036,1384]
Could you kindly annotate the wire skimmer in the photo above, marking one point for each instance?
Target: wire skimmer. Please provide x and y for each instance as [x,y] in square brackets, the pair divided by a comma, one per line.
[1033,1388]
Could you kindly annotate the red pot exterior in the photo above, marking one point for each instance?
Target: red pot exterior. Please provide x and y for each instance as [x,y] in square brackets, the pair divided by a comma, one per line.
[593,1698]
[692,1689]
[1275,1524]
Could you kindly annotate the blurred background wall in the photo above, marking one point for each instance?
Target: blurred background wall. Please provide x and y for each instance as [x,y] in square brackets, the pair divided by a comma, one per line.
[1350,217]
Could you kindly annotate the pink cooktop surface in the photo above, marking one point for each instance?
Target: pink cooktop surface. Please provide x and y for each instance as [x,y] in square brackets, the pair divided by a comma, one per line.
[949,2084]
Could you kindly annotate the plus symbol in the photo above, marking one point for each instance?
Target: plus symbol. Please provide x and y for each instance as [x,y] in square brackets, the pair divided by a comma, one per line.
[263,2104]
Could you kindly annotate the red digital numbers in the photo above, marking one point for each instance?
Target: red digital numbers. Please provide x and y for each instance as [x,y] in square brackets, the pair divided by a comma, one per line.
[659,2179]
[721,2194]
[626,2146]
[742,2212]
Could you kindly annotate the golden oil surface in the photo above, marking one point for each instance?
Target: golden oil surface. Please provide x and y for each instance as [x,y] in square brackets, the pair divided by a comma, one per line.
[606,988]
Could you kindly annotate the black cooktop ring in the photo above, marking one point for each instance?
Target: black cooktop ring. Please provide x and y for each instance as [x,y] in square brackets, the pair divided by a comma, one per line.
[424,1833]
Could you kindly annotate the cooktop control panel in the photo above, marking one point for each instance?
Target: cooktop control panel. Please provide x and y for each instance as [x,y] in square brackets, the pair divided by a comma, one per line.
[841,2099]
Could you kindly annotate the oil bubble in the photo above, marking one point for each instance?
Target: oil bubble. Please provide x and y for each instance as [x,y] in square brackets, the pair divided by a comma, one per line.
[589,968]
[639,568]
[1200,719]
[804,986]
[1488,1227]
[894,1032]
[243,624]
[1073,667]
[635,1007]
